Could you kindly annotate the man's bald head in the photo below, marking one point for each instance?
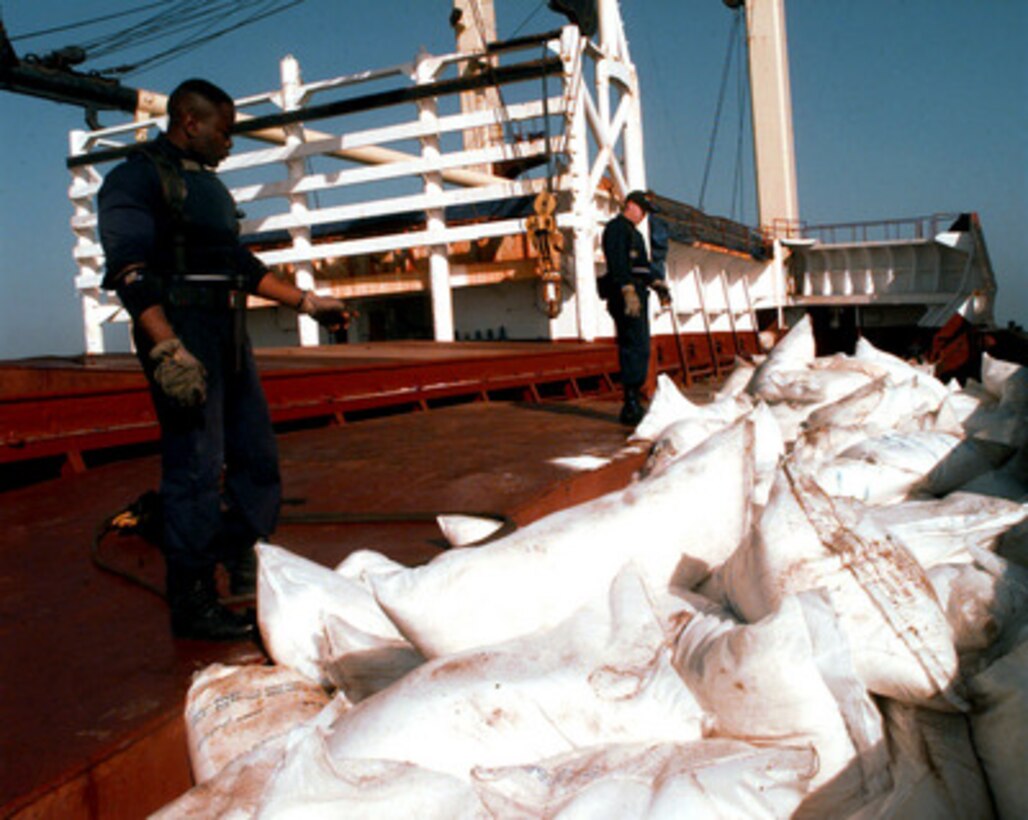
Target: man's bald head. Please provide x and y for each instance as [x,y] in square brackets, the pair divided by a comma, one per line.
[197,97]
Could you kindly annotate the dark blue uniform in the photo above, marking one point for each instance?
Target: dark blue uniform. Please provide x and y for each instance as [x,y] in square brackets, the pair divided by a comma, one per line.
[172,240]
[628,264]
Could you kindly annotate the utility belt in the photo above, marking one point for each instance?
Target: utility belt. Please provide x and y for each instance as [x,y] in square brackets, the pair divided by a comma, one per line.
[211,291]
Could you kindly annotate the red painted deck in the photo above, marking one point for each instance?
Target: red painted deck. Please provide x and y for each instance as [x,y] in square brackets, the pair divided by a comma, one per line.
[92,683]
[71,413]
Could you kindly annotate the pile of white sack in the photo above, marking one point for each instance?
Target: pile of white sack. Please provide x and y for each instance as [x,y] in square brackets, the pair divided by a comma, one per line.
[812,601]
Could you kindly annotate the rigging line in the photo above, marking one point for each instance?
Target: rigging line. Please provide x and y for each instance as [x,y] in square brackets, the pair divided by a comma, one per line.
[171,53]
[743,97]
[737,173]
[83,23]
[678,153]
[732,36]
[160,25]
[525,21]
[173,13]
[183,16]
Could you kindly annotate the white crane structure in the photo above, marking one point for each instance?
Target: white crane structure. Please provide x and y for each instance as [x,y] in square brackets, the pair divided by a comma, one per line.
[421,182]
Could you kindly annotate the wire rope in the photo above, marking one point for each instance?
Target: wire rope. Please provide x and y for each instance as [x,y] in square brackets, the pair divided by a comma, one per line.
[525,22]
[733,36]
[83,23]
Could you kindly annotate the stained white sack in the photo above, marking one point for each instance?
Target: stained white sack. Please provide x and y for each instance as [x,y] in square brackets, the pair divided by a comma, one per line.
[737,380]
[232,709]
[793,354]
[900,639]
[1013,544]
[877,407]
[788,678]
[235,791]
[899,370]
[985,601]
[891,466]
[705,780]
[327,627]
[463,530]
[999,725]
[310,783]
[603,676]
[681,436]
[669,405]
[1009,481]
[1006,381]
[675,526]
[934,769]
[944,530]
[360,566]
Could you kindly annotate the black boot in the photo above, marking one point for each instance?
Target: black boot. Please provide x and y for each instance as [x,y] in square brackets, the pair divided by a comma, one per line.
[234,548]
[195,611]
[242,573]
[633,410]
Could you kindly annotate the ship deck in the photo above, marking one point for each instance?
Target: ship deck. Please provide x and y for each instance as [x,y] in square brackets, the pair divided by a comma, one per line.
[94,685]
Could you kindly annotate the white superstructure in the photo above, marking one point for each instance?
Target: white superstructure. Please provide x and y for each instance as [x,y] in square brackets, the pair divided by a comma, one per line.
[378,187]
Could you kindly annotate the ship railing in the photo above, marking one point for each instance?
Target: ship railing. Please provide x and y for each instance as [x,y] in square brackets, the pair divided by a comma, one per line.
[392,175]
[882,230]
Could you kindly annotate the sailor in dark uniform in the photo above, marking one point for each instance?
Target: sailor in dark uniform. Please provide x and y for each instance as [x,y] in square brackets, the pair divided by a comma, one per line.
[625,287]
[169,229]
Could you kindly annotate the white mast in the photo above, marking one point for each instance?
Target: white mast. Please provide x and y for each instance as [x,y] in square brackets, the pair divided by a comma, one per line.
[771,101]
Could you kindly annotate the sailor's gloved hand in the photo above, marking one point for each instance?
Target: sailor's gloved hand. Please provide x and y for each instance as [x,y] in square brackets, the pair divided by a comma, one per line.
[179,373]
[327,311]
[633,306]
[663,292]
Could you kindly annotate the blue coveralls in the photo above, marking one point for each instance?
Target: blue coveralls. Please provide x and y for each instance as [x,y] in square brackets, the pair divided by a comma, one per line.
[627,264]
[220,483]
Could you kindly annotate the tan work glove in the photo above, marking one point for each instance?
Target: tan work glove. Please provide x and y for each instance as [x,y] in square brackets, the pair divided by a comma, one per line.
[179,373]
[327,311]
[633,307]
[663,292]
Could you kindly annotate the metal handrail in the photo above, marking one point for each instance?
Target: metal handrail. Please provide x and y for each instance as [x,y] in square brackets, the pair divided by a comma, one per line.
[881,230]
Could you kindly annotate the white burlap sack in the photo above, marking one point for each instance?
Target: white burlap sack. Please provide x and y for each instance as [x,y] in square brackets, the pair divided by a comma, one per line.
[327,627]
[361,566]
[1005,381]
[669,405]
[999,725]
[735,382]
[1009,481]
[788,679]
[934,769]
[232,709]
[706,780]
[943,530]
[889,467]
[603,676]
[234,792]
[310,783]
[677,439]
[463,530]
[793,355]
[878,407]
[901,642]
[675,526]
[899,370]
[986,603]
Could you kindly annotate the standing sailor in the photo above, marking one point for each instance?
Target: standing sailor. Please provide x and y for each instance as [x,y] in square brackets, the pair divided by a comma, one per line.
[625,287]
[170,231]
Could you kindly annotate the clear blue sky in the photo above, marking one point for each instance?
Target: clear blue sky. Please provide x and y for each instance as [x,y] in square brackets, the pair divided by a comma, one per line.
[901,109]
